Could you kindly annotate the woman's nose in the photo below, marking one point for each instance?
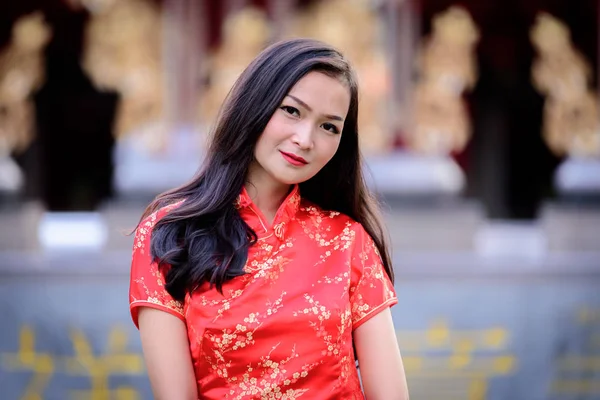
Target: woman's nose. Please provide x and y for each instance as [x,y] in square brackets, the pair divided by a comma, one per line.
[303,136]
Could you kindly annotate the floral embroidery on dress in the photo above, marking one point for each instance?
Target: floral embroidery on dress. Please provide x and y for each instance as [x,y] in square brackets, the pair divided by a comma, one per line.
[148,282]
[284,329]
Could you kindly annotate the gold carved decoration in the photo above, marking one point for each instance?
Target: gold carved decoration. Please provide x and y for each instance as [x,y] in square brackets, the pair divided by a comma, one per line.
[21,73]
[562,75]
[446,67]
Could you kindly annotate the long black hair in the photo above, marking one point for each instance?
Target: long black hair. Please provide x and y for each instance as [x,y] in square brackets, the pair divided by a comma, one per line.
[205,239]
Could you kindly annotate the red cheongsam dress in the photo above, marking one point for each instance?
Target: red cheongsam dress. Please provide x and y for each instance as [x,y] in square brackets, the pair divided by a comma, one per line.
[283,330]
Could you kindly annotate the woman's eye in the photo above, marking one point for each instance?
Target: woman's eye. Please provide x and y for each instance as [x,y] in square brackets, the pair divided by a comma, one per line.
[331,128]
[291,110]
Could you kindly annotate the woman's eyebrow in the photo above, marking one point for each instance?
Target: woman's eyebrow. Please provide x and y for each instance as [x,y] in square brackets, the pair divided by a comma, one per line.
[303,104]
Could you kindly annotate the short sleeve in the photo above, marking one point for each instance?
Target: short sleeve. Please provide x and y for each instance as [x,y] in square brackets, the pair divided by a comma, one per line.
[371,290]
[147,281]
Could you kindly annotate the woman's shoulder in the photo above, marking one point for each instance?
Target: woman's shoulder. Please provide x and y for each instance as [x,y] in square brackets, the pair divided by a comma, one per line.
[143,231]
[311,210]
[151,219]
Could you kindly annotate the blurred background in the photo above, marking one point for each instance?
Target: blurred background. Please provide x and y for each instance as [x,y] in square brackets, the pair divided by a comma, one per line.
[479,123]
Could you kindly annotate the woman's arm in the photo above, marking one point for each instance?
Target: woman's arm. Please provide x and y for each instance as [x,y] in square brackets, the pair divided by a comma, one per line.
[167,354]
[379,359]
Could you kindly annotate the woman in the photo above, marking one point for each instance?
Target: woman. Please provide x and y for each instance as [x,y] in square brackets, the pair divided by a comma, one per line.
[265,275]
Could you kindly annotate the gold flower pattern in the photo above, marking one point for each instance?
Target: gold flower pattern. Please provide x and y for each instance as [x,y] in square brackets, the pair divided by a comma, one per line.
[147,281]
[283,330]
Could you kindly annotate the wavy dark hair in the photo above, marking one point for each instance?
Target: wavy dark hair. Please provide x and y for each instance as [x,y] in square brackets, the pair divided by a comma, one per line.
[205,239]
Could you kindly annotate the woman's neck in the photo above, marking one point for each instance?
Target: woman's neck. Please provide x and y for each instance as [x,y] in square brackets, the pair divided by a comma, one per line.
[267,195]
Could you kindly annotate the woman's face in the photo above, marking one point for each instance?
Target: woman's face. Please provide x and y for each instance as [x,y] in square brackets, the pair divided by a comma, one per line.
[304,132]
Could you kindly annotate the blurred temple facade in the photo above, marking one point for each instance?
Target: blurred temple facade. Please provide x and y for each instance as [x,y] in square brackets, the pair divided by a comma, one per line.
[480,126]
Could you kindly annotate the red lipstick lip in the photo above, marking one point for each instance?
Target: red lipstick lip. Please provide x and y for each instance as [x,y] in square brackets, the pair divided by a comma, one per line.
[294,157]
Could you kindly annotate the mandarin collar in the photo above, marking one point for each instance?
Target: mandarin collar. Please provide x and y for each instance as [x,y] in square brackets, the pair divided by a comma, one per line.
[287,210]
